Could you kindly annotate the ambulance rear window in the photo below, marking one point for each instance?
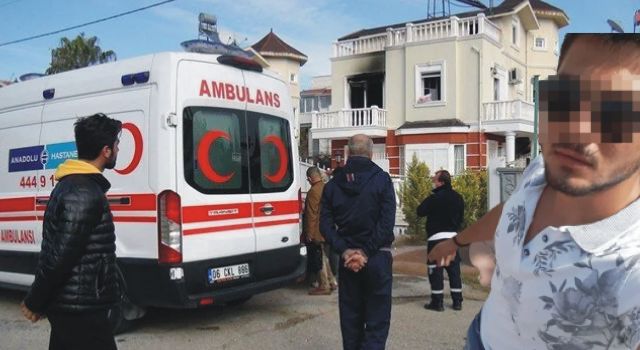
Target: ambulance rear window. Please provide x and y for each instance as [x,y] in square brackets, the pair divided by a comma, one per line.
[215,159]
[271,159]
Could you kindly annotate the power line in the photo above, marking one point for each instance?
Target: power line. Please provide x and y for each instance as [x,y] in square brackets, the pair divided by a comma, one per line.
[86,24]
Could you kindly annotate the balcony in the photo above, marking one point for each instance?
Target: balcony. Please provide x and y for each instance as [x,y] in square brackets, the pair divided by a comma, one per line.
[452,27]
[348,122]
[505,116]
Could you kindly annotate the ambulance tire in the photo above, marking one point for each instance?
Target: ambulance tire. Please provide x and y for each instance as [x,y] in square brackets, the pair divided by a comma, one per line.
[238,302]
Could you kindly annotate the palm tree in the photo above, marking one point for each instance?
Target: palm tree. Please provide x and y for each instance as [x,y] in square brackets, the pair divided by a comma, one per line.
[77,53]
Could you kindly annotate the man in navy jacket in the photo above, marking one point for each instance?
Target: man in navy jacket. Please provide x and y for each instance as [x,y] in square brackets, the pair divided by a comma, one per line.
[357,219]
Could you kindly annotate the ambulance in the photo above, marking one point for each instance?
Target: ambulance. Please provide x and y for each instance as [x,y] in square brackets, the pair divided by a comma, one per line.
[205,195]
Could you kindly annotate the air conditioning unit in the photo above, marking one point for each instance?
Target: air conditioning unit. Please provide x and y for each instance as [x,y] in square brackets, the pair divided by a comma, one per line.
[515,76]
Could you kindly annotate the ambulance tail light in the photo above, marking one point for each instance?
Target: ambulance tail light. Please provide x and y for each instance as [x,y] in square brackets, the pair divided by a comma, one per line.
[169,228]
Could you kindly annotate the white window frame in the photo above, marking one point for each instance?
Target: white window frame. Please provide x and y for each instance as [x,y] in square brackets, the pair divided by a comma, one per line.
[449,148]
[539,48]
[515,34]
[430,67]
[452,158]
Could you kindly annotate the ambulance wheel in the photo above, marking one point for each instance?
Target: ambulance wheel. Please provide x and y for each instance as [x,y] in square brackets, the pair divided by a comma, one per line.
[237,302]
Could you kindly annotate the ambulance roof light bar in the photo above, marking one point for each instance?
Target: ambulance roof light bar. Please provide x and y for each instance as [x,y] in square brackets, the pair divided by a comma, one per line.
[240,62]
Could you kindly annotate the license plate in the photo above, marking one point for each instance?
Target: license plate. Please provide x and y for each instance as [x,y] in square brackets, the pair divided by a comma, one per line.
[228,273]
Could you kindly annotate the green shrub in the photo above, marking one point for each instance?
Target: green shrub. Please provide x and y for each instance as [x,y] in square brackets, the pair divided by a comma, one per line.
[415,188]
[472,186]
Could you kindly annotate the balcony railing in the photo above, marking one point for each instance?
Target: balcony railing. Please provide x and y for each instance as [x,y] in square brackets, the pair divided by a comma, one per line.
[424,32]
[350,118]
[508,110]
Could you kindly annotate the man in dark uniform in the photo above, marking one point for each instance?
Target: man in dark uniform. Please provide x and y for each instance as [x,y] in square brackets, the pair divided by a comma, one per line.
[444,210]
[357,219]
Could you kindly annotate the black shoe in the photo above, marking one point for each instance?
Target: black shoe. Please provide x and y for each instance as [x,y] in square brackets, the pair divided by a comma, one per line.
[434,306]
[457,305]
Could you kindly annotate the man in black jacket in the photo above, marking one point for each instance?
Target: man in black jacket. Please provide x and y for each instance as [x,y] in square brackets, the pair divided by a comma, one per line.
[444,210]
[357,219]
[76,281]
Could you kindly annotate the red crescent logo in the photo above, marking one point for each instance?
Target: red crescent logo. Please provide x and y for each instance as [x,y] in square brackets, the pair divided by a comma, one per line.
[284,158]
[203,156]
[137,153]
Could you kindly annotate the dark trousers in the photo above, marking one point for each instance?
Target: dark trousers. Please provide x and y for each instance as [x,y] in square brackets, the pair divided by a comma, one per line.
[365,303]
[474,341]
[334,259]
[80,331]
[436,278]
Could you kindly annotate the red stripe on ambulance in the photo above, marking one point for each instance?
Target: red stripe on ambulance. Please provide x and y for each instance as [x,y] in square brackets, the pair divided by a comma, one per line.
[17,204]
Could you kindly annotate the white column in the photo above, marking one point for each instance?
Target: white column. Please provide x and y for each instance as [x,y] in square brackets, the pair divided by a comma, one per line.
[511,146]
[409,29]
[390,37]
[455,24]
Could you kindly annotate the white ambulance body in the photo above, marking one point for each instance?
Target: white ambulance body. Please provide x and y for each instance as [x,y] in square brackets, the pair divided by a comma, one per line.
[205,195]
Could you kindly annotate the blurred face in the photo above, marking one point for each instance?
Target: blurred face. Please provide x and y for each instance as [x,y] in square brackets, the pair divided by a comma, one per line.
[590,119]
[112,156]
[436,180]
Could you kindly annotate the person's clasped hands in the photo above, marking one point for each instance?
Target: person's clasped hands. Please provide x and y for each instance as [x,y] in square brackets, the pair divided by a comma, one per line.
[28,314]
[354,259]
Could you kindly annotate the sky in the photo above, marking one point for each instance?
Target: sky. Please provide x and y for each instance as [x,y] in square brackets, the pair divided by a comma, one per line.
[309,26]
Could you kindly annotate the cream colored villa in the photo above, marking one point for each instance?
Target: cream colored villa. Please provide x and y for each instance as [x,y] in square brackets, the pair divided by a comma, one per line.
[456,91]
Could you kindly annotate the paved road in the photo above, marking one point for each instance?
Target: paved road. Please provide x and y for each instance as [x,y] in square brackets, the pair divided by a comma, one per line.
[282,319]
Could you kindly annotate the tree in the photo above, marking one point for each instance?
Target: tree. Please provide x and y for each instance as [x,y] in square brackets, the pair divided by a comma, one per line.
[472,186]
[415,188]
[77,53]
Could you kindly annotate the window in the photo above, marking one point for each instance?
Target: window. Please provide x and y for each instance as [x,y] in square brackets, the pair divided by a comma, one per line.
[270,152]
[228,152]
[429,84]
[496,89]
[293,77]
[308,104]
[436,156]
[458,159]
[514,31]
[217,136]
[540,44]
[325,102]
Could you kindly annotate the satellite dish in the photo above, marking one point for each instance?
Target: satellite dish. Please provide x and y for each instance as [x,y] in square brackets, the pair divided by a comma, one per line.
[615,26]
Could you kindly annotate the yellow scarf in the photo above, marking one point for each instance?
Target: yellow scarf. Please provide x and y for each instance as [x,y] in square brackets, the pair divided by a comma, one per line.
[74,166]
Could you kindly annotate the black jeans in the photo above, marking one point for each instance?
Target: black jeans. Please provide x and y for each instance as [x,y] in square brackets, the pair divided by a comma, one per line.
[365,303]
[436,277]
[80,331]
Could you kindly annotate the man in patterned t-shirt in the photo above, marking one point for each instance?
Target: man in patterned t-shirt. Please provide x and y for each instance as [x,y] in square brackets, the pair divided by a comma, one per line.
[567,241]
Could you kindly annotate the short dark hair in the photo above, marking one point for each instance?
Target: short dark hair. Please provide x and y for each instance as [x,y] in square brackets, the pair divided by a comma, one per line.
[93,133]
[610,39]
[443,176]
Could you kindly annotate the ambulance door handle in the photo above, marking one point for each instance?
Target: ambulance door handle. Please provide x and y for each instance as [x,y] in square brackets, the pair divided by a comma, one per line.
[267,209]
[120,200]
[42,201]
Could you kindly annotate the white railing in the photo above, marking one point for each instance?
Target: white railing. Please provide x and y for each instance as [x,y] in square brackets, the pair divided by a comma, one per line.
[424,32]
[350,118]
[508,110]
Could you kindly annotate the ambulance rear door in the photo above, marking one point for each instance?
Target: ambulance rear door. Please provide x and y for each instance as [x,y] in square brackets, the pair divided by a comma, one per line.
[218,239]
[274,176]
